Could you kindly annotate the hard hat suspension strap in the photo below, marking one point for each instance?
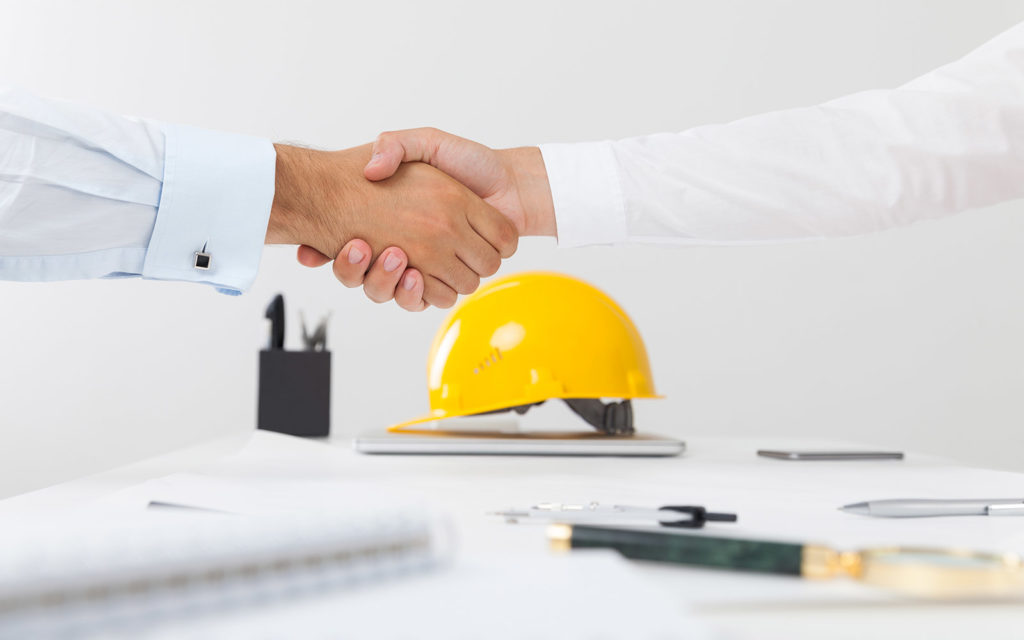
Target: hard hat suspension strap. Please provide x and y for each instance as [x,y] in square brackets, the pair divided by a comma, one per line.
[614,418]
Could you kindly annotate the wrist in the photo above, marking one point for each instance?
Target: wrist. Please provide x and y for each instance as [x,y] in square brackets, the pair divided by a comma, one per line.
[313,197]
[292,200]
[530,180]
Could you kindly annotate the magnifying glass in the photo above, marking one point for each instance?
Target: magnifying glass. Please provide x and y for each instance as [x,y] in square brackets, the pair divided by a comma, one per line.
[937,573]
[934,573]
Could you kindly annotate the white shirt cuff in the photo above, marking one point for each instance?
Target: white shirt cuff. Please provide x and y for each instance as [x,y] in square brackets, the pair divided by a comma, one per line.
[217,192]
[587,194]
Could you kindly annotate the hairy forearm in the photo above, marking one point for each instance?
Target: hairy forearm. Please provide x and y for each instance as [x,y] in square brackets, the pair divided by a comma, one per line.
[315,194]
[291,195]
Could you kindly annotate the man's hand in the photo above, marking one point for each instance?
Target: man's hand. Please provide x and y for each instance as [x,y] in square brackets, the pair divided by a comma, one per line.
[513,181]
[388,278]
[450,236]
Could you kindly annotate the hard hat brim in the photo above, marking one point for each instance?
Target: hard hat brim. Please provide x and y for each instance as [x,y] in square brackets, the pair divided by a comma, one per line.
[404,427]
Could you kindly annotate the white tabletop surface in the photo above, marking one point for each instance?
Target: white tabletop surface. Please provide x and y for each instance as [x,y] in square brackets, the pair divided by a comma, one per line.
[774,499]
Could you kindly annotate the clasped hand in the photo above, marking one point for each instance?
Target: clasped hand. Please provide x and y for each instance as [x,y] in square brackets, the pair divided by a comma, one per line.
[448,236]
[434,214]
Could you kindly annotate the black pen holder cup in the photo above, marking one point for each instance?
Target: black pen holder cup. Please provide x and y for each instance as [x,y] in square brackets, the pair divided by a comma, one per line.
[295,392]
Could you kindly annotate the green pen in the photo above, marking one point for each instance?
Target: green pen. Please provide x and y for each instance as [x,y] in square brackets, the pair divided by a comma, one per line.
[694,550]
[941,573]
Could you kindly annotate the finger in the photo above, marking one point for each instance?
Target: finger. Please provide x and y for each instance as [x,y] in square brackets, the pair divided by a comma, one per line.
[471,163]
[387,270]
[494,227]
[409,294]
[310,257]
[461,278]
[438,293]
[352,263]
[392,148]
[480,256]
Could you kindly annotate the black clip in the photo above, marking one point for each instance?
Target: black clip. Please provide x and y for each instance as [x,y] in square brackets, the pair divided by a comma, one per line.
[613,419]
[698,516]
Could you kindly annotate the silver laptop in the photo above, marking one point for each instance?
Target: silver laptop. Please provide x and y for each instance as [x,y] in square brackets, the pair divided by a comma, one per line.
[504,441]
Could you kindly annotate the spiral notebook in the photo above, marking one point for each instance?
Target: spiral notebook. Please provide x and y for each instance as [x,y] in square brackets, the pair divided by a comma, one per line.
[73,576]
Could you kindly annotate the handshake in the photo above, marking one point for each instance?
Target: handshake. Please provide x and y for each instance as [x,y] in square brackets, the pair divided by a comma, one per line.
[419,216]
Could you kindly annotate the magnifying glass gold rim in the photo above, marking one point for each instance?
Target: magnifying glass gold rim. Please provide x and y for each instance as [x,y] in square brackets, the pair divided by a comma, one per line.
[914,570]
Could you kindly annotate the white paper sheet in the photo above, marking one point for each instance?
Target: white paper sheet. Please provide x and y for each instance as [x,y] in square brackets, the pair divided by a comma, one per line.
[779,500]
[589,596]
[492,594]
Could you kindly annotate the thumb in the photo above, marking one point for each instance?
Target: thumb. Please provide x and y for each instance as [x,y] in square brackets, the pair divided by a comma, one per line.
[471,163]
[391,149]
[310,257]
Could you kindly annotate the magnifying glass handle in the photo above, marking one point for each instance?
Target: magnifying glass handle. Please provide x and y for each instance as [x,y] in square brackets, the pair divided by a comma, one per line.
[699,551]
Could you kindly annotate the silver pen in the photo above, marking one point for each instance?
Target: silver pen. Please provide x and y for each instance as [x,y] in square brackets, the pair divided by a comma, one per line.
[688,517]
[923,508]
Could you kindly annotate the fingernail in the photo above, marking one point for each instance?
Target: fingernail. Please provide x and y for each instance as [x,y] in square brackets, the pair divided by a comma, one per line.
[391,262]
[355,256]
[374,158]
[409,283]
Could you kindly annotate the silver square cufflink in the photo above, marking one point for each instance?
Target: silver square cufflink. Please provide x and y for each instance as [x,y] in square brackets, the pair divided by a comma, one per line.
[202,260]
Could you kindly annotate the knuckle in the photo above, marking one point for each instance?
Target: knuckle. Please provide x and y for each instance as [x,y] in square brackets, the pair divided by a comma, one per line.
[410,305]
[508,238]
[468,283]
[438,294]
[446,224]
[491,264]
[428,132]
[447,301]
[443,298]
[345,276]
[375,295]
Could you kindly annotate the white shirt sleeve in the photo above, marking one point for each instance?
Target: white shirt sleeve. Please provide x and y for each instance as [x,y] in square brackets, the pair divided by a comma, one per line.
[88,194]
[948,141]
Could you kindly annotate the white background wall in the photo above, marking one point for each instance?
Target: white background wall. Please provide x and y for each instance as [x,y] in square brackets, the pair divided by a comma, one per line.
[910,338]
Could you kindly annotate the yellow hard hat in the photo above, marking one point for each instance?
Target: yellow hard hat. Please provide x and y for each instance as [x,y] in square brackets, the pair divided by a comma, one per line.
[530,337]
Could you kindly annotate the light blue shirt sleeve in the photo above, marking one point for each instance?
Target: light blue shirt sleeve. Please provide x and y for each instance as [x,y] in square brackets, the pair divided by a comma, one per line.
[88,194]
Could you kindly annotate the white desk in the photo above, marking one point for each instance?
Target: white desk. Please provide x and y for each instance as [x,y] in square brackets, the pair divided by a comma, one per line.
[776,499]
